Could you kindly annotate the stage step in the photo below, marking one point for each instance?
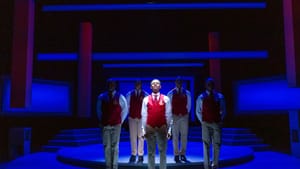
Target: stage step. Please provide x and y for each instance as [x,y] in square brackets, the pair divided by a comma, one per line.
[233,137]
[86,136]
[78,137]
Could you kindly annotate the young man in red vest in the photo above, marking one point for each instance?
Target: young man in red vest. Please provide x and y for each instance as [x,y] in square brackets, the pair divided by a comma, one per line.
[112,111]
[134,100]
[210,110]
[180,99]
[156,124]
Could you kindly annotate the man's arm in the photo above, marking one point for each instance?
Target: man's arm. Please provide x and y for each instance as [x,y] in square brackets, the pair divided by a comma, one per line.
[189,100]
[144,114]
[123,104]
[168,115]
[128,96]
[199,108]
[170,95]
[222,106]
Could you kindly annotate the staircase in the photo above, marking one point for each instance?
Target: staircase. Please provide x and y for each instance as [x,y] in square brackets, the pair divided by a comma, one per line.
[78,137]
[233,137]
[87,136]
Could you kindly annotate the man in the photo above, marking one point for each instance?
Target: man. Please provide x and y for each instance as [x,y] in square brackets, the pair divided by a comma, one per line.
[180,99]
[210,110]
[111,111]
[135,99]
[156,124]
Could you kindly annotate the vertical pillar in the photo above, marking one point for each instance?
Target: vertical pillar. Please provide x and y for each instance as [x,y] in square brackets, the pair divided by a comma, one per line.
[84,70]
[22,53]
[291,15]
[214,64]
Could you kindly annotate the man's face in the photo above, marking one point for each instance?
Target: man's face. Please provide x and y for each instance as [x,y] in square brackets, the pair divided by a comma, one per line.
[210,86]
[111,86]
[178,84]
[155,86]
[138,86]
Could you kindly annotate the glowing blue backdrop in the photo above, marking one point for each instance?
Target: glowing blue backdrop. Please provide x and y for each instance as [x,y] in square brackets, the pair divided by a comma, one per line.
[48,98]
[265,95]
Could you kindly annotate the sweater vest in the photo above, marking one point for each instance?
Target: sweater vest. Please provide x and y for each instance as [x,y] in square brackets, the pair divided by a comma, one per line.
[156,112]
[179,103]
[111,110]
[211,108]
[136,104]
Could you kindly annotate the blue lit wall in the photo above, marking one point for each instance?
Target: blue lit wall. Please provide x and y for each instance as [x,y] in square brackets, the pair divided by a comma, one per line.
[48,98]
[270,95]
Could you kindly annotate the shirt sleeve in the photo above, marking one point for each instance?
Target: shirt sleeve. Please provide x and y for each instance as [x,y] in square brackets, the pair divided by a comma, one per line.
[128,96]
[199,108]
[99,107]
[123,104]
[144,113]
[188,105]
[222,106]
[170,95]
[168,113]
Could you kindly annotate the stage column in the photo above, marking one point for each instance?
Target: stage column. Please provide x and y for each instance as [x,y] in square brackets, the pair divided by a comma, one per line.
[214,64]
[291,14]
[84,70]
[22,53]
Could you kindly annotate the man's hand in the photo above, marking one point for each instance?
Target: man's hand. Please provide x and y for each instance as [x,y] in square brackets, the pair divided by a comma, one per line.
[169,135]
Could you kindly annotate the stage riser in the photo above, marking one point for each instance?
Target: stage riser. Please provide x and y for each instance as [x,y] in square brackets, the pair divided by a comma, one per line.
[79,137]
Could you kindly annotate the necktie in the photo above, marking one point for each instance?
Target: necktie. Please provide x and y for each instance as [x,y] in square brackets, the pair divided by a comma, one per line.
[156,97]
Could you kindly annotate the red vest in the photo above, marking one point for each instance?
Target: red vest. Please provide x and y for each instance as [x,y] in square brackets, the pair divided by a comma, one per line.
[111,110]
[211,108]
[179,103]
[136,104]
[156,112]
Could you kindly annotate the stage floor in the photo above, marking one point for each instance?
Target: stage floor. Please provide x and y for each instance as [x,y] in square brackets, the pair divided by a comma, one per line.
[92,156]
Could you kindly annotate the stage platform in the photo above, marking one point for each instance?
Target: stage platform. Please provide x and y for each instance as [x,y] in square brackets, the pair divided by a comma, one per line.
[92,156]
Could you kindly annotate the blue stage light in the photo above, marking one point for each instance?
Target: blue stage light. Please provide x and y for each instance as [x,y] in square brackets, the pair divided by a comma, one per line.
[48,98]
[152,65]
[265,96]
[154,6]
[263,54]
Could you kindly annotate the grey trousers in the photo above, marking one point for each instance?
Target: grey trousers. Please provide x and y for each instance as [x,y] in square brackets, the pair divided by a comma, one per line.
[180,127]
[211,135]
[159,136]
[136,139]
[111,139]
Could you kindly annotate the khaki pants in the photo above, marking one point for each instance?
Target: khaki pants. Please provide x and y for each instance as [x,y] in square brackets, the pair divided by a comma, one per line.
[111,139]
[211,132]
[180,127]
[135,131]
[159,136]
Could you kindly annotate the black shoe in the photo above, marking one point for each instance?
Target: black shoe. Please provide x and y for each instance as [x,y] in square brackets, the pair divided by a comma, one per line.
[140,160]
[176,159]
[132,159]
[183,158]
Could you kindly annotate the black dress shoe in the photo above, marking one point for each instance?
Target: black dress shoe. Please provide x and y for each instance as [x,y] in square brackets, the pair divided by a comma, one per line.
[140,160]
[132,159]
[176,159]
[183,158]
